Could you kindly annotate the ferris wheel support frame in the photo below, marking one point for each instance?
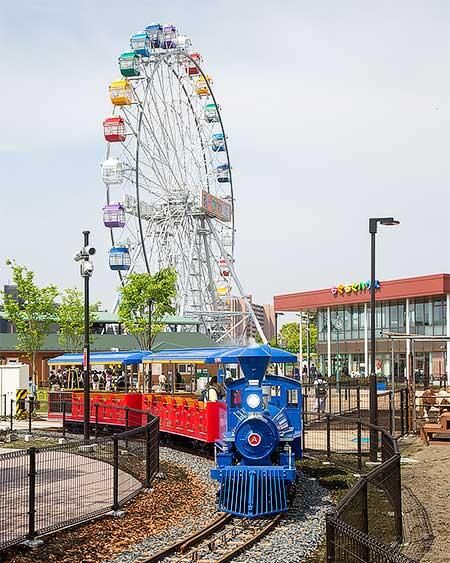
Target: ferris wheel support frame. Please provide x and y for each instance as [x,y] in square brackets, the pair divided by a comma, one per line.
[237,281]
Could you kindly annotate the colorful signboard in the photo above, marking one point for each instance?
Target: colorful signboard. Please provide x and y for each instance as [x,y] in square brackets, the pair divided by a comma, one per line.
[215,207]
[356,287]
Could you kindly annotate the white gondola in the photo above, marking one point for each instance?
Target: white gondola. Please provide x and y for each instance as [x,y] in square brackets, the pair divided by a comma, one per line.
[112,171]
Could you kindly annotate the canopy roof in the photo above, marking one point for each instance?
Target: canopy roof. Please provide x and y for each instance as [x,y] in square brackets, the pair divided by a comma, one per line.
[100,358]
[182,355]
[233,355]
[226,355]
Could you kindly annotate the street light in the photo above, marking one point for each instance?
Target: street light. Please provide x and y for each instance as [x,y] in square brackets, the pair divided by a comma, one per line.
[373,399]
[150,311]
[276,335]
[276,327]
[86,270]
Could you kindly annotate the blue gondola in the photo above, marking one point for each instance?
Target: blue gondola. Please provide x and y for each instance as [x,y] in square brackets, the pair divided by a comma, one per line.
[119,258]
[154,33]
[218,142]
[223,173]
[140,43]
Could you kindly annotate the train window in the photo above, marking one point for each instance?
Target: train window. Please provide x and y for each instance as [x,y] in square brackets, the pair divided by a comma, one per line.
[275,391]
[236,398]
[292,398]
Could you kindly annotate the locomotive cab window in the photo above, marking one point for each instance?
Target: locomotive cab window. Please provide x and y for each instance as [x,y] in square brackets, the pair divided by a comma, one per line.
[292,398]
[275,391]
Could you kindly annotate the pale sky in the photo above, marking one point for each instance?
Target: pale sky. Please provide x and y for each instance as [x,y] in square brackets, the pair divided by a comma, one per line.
[335,111]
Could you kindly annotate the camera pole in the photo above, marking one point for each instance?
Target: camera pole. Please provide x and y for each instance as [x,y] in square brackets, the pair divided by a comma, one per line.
[86,348]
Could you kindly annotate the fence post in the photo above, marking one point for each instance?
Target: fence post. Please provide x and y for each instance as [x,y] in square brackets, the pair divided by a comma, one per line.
[32,494]
[340,400]
[328,438]
[391,412]
[365,520]
[402,414]
[358,401]
[303,421]
[115,506]
[407,410]
[30,412]
[331,540]
[96,420]
[305,401]
[398,506]
[11,415]
[329,399]
[359,438]
[148,457]
[64,419]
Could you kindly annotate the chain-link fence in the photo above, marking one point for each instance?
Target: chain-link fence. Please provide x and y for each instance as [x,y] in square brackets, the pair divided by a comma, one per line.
[46,489]
[367,523]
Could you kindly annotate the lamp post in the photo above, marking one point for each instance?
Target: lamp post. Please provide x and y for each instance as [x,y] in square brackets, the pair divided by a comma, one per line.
[276,327]
[373,400]
[150,311]
[276,335]
[86,270]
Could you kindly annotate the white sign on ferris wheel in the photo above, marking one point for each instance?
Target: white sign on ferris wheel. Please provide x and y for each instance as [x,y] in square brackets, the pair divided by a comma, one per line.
[215,207]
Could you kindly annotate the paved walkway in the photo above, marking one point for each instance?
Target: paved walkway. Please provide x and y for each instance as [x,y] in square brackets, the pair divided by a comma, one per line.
[69,485]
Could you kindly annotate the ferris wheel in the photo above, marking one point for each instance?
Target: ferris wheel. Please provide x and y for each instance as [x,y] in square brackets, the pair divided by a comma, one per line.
[169,188]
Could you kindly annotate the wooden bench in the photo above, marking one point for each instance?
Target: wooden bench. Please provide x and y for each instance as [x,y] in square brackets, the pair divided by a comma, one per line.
[442,427]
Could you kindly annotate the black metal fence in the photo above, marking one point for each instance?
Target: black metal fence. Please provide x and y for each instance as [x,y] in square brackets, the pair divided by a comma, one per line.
[367,524]
[353,400]
[49,488]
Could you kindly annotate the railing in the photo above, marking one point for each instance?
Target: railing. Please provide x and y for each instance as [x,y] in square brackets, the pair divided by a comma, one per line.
[393,414]
[46,489]
[366,525]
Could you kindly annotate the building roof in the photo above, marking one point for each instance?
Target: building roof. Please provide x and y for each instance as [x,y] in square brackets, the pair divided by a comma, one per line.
[353,293]
[105,317]
[105,342]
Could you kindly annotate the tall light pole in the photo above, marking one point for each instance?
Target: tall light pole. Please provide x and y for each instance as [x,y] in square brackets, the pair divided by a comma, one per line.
[373,400]
[150,311]
[86,269]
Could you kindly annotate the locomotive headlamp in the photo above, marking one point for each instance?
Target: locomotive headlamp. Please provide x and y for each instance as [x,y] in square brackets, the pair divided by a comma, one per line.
[253,401]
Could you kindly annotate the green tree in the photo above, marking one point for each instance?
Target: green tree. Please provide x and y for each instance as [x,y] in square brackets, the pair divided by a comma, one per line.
[70,318]
[137,294]
[288,338]
[31,313]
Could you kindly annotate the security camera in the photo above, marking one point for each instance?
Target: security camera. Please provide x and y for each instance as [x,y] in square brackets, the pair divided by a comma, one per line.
[86,268]
[90,250]
[78,256]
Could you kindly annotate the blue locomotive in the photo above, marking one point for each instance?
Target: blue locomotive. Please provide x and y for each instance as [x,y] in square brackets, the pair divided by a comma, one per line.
[255,461]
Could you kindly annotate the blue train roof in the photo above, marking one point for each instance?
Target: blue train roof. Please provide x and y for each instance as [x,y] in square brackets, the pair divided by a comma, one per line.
[223,354]
[233,355]
[98,358]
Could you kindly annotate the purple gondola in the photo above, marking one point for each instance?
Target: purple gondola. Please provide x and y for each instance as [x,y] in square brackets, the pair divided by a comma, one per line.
[114,215]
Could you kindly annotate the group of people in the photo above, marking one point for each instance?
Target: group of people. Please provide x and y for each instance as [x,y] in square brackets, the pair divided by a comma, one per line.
[109,379]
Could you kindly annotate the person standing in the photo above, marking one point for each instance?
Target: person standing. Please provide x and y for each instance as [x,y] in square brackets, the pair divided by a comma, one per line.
[320,387]
[31,393]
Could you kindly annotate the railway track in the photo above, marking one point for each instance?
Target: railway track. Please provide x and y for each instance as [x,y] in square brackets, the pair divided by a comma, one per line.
[219,542]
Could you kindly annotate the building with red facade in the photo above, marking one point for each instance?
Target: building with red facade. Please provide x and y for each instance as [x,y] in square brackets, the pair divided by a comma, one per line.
[417,306]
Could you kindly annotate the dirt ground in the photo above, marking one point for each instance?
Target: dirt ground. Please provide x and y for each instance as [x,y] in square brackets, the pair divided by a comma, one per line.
[426,501]
[172,499]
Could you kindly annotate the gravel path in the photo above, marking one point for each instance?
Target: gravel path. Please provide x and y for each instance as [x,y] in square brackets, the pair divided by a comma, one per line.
[298,535]
[201,468]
